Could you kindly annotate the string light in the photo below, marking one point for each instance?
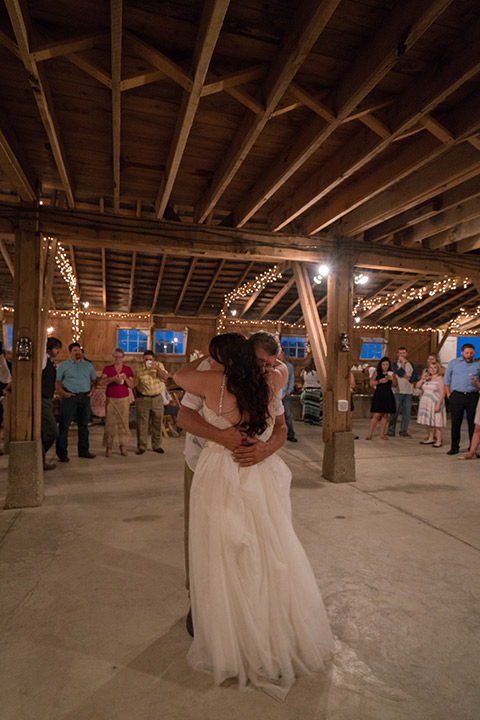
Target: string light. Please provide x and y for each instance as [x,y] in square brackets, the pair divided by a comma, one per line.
[244,291]
[390,299]
[66,271]
[463,317]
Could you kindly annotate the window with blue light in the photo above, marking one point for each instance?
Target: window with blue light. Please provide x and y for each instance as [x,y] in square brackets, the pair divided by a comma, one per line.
[371,351]
[472,340]
[132,341]
[9,337]
[294,347]
[170,342]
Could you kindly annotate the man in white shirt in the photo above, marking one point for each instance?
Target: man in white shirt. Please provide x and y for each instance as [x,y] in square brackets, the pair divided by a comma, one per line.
[267,350]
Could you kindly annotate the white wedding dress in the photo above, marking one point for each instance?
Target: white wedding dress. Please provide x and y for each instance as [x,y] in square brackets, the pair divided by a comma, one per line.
[257,612]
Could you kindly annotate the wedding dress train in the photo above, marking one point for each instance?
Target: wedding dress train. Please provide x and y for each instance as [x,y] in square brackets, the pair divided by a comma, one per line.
[257,612]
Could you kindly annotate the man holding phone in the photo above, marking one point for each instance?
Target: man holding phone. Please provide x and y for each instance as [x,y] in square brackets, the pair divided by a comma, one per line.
[149,381]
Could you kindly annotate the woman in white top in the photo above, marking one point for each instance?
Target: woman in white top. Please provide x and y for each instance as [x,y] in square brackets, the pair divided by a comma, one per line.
[257,612]
[313,398]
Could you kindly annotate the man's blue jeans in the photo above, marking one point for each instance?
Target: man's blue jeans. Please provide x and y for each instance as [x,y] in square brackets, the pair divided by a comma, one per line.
[288,417]
[403,402]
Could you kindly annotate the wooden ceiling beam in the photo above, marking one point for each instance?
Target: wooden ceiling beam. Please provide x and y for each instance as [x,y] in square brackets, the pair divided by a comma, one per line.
[232,80]
[441,222]
[7,42]
[67,47]
[159,283]
[434,310]
[190,240]
[374,61]
[248,100]
[309,22]
[21,27]
[140,80]
[210,25]
[7,258]
[14,164]
[278,296]
[363,197]
[211,285]
[159,60]
[451,168]
[454,234]
[251,300]
[132,281]
[424,93]
[462,193]
[116,8]
[468,244]
[90,69]
[185,284]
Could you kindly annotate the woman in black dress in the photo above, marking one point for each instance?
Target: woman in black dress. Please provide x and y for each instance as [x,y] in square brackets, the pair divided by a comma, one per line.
[383,401]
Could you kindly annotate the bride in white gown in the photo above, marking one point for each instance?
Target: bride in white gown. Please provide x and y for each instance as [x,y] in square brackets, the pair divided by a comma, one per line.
[257,612]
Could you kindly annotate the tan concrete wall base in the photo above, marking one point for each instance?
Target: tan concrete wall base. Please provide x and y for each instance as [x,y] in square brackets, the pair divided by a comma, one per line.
[339,458]
[25,474]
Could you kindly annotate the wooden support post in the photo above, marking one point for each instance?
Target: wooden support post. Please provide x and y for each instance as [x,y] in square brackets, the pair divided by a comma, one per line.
[312,321]
[339,453]
[25,466]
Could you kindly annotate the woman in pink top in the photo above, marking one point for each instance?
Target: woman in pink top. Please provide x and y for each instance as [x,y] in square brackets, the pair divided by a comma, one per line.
[118,379]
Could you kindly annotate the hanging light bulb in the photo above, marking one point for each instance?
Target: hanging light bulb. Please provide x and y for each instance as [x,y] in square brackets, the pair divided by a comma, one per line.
[324,270]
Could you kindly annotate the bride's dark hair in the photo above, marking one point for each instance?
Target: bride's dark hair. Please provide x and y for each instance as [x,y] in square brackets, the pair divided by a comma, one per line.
[245,380]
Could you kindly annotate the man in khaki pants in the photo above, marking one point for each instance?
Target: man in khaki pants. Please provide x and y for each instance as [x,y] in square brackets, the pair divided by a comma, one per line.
[149,380]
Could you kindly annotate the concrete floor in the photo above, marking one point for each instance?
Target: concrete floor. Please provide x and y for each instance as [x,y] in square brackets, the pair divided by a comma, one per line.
[93,602]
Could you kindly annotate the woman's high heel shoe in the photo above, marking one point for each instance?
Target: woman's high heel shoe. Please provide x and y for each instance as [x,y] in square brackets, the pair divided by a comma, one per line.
[441,445]
[108,452]
[123,450]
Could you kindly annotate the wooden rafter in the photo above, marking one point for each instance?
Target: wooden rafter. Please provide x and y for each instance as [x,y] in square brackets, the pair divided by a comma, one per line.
[419,97]
[277,297]
[418,155]
[14,164]
[468,244]
[457,165]
[211,285]
[251,300]
[232,80]
[185,284]
[455,233]
[154,238]
[441,222]
[210,26]
[21,27]
[308,25]
[116,7]
[312,320]
[7,258]
[67,47]
[132,281]
[159,283]
[374,62]
[159,60]
[91,69]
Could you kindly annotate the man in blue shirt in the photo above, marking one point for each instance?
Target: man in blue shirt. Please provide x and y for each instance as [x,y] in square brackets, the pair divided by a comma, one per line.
[286,392]
[461,387]
[75,380]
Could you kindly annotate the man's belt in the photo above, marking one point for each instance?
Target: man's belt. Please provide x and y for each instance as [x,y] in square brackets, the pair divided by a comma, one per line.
[147,396]
[79,393]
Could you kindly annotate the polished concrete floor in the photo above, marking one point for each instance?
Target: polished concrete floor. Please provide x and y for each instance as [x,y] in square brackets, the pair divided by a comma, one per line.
[93,601]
